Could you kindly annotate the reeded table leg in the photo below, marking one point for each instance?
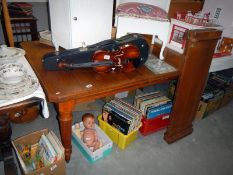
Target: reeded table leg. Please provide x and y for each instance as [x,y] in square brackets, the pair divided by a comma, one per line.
[65,119]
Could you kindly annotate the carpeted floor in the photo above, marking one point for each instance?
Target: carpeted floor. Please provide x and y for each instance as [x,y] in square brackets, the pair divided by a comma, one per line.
[208,150]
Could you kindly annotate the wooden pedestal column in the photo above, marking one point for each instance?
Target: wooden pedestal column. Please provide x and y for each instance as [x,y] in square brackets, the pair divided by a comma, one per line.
[197,58]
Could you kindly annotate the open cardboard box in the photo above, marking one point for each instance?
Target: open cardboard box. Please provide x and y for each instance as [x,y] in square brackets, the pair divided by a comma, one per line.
[56,168]
[228,96]
[98,154]
[206,108]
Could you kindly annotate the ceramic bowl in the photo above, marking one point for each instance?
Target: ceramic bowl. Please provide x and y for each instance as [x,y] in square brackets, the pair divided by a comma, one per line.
[10,54]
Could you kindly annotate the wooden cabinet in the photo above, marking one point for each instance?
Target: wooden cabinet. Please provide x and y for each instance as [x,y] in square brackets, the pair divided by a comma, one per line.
[184,6]
[196,59]
[76,21]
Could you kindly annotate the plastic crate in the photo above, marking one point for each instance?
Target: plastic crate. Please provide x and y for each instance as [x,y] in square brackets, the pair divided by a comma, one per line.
[102,152]
[152,125]
[116,136]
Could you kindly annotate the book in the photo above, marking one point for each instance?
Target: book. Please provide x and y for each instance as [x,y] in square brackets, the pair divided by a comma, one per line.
[157,103]
[124,120]
[119,111]
[47,151]
[139,98]
[151,101]
[145,94]
[125,113]
[148,97]
[45,41]
[118,122]
[46,34]
[21,4]
[162,109]
[59,149]
[131,111]
[18,9]
[137,112]
[128,105]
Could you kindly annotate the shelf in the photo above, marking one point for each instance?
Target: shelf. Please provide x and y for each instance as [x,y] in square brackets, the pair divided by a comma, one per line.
[221,63]
[184,6]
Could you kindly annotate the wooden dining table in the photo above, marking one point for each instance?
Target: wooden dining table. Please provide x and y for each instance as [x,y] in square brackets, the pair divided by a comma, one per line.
[68,88]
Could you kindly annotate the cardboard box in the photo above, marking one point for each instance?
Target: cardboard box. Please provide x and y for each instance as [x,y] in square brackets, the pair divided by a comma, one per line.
[206,108]
[228,96]
[102,152]
[56,168]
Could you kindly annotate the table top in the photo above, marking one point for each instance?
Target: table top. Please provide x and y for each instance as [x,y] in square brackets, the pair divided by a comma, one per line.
[84,84]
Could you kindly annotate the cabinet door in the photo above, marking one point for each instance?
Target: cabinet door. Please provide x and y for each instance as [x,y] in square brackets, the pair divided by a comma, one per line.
[60,23]
[91,21]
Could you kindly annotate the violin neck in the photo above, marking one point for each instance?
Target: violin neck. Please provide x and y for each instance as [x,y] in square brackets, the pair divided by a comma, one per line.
[85,65]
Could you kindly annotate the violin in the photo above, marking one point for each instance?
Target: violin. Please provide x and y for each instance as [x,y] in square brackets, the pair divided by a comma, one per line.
[120,58]
[121,54]
[63,65]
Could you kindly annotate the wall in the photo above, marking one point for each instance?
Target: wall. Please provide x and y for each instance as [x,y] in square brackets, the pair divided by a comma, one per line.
[226,15]
[40,12]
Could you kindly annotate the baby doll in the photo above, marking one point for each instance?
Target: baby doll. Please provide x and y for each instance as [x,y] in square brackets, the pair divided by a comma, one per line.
[89,136]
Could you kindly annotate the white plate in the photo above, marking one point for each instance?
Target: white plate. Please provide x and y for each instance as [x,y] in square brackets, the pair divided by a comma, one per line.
[21,89]
[10,65]
[10,54]
[12,73]
[12,76]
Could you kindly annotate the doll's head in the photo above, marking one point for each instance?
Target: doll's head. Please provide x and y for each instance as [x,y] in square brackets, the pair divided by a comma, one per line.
[88,120]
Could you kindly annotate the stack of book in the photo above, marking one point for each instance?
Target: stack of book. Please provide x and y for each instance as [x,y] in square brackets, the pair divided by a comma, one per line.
[46,37]
[20,9]
[225,75]
[50,148]
[122,115]
[213,89]
[153,104]
[217,93]
[156,110]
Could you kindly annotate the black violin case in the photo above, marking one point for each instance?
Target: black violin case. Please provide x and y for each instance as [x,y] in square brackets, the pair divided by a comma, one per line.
[83,55]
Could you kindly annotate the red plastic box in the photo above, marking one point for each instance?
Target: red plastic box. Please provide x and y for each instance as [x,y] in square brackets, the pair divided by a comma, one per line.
[152,125]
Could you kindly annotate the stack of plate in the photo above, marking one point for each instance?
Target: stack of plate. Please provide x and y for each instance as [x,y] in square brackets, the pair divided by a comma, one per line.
[10,54]
[15,82]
